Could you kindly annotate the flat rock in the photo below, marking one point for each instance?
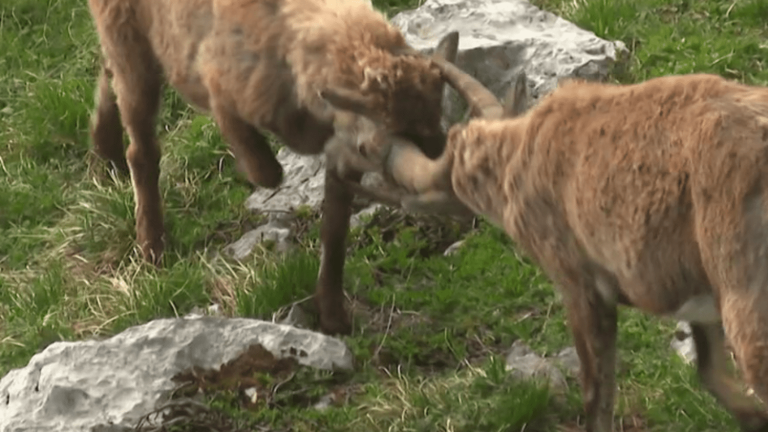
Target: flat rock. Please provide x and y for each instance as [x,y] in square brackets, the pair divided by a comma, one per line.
[526,364]
[110,384]
[568,359]
[303,183]
[357,219]
[277,230]
[303,186]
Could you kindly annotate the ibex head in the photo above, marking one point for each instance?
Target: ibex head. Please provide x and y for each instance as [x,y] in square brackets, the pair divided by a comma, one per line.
[426,182]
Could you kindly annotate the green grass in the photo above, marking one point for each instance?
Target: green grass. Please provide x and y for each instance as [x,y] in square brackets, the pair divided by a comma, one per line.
[430,331]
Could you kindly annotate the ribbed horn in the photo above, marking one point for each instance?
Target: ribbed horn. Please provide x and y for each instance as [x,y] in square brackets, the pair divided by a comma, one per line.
[479,98]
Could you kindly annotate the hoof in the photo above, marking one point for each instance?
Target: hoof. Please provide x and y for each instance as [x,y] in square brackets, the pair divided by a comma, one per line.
[333,318]
[267,174]
[336,326]
[756,421]
[152,252]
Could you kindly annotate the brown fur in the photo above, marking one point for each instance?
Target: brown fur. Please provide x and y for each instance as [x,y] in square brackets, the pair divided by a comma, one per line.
[646,195]
[284,66]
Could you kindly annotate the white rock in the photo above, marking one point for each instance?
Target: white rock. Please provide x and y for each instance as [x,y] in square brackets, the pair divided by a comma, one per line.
[198,312]
[296,317]
[357,219]
[243,247]
[110,384]
[303,182]
[682,342]
[500,38]
[568,358]
[324,403]
[526,364]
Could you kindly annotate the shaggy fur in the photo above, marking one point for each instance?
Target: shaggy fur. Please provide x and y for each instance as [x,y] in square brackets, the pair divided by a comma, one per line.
[291,67]
[653,196]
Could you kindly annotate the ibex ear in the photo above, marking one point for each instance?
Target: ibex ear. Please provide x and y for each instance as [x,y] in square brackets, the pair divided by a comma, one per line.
[350,100]
[516,99]
[448,47]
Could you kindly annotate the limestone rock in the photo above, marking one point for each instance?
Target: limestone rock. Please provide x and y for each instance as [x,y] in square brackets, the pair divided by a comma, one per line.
[295,316]
[568,359]
[500,38]
[303,186]
[526,364]
[276,230]
[357,219]
[303,182]
[109,384]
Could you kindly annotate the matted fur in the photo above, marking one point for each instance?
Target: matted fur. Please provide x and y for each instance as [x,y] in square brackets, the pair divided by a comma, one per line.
[652,195]
[301,69]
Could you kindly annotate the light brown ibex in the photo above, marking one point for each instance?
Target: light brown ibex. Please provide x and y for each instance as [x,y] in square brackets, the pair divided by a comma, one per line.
[652,195]
[301,69]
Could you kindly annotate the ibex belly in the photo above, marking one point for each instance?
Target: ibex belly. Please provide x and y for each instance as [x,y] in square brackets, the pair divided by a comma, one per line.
[649,250]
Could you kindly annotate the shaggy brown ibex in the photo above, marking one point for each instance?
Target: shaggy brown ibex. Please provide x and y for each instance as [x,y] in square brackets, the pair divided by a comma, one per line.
[301,69]
[652,195]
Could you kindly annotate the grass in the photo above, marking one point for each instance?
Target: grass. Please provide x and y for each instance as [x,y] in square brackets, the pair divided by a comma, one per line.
[430,331]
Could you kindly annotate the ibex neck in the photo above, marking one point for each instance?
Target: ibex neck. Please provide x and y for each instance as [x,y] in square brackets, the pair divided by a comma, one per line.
[483,151]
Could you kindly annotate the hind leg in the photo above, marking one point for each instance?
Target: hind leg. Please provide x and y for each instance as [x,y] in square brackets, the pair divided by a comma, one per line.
[137,84]
[746,324]
[106,130]
[593,323]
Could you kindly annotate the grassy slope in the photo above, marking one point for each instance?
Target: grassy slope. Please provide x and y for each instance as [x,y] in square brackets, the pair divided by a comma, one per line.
[68,269]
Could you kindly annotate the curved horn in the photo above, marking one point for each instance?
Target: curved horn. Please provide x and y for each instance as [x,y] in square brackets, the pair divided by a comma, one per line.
[407,165]
[516,99]
[480,99]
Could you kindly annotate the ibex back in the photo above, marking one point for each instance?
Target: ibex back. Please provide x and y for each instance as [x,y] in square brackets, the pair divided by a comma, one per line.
[292,67]
[653,195]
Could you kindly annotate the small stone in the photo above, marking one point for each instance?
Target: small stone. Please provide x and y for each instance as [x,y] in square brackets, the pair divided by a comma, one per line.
[452,249]
[526,364]
[324,402]
[295,317]
[568,358]
[683,343]
[252,394]
[214,310]
[357,219]
[274,232]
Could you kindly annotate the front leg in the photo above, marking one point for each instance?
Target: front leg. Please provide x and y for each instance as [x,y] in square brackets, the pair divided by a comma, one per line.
[329,293]
[593,323]
[253,156]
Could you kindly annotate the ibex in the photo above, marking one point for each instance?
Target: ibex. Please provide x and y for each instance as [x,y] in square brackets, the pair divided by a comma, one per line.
[652,195]
[303,70]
